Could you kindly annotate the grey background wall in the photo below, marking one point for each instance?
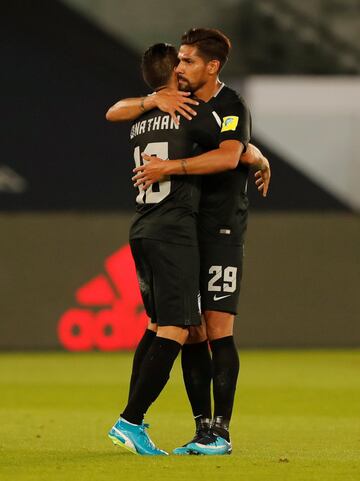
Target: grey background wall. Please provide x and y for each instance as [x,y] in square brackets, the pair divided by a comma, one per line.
[300,286]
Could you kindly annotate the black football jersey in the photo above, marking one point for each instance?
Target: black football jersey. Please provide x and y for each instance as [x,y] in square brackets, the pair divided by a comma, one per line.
[224,202]
[168,210]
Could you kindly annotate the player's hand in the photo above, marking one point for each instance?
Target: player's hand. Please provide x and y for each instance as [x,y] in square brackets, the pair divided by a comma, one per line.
[153,170]
[175,101]
[262,177]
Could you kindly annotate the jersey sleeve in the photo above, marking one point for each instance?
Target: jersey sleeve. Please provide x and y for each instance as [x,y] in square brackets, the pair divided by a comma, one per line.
[235,122]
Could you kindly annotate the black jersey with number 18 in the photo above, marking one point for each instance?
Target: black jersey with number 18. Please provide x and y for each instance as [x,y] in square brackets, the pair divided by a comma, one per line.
[168,210]
[224,203]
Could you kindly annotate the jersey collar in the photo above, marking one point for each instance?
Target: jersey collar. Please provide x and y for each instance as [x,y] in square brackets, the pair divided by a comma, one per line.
[219,89]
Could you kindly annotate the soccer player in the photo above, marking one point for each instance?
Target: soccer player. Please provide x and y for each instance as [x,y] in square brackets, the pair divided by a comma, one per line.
[163,239]
[221,227]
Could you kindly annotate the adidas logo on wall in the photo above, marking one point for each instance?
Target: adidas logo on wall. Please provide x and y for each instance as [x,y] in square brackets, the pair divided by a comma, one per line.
[111,315]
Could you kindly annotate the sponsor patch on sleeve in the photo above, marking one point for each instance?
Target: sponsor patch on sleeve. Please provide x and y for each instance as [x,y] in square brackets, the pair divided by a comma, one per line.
[229,123]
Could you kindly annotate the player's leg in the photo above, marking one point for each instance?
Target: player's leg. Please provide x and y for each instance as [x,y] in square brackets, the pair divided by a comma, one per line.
[155,371]
[176,305]
[197,372]
[144,276]
[140,353]
[175,286]
[225,368]
[130,431]
[220,287]
[225,362]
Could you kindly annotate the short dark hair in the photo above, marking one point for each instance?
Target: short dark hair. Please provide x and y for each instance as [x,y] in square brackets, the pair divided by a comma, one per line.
[211,43]
[158,63]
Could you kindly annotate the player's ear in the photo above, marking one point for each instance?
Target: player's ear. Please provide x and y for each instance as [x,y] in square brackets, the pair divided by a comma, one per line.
[213,66]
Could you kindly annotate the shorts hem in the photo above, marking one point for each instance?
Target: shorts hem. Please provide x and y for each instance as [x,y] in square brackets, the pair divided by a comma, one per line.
[227,311]
[179,324]
[179,243]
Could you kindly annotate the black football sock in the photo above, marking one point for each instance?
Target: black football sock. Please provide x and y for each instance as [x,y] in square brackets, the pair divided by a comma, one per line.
[220,427]
[225,373]
[154,374]
[197,372]
[139,356]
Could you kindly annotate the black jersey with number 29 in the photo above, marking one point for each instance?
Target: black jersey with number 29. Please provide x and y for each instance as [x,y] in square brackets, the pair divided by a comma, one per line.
[167,210]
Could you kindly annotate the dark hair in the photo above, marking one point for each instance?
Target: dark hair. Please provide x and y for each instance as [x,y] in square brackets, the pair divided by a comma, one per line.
[211,43]
[158,63]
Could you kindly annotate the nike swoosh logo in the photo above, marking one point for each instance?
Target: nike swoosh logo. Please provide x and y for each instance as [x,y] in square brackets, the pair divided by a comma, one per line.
[220,297]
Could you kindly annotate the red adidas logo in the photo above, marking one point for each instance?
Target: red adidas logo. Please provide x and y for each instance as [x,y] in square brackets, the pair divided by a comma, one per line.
[112,315]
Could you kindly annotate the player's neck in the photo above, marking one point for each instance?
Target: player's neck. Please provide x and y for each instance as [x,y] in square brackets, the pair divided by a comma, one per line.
[207,91]
[172,84]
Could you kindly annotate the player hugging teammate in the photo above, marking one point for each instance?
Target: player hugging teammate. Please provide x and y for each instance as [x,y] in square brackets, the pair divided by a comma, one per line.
[187,238]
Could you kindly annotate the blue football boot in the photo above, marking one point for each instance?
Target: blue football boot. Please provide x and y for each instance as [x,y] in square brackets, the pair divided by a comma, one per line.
[134,438]
[210,445]
[202,432]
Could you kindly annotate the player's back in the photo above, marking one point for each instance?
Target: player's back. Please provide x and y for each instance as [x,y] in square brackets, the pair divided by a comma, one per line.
[167,210]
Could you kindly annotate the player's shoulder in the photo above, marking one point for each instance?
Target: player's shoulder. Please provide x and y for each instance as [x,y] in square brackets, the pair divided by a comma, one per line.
[202,107]
[229,96]
[230,105]
[204,113]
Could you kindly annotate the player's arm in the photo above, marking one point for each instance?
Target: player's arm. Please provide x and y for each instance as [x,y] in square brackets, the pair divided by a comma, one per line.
[167,100]
[130,109]
[254,158]
[220,154]
[225,157]
[237,124]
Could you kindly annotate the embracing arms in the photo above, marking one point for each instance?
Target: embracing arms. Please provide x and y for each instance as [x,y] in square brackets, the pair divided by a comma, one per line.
[168,100]
[225,157]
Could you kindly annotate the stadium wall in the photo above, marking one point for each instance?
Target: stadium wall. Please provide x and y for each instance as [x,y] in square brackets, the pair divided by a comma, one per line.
[67,281]
[313,122]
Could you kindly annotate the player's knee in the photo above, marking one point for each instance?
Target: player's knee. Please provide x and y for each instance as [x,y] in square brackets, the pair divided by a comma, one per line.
[197,335]
[184,335]
[219,324]
[175,333]
[219,332]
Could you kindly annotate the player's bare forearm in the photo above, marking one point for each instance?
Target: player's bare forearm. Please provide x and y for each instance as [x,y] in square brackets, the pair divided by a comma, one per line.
[255,159]
[252,157]
[130,109]
[167,100]
[226,157]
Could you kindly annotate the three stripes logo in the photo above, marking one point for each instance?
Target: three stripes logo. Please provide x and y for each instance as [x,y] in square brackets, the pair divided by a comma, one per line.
[111,315]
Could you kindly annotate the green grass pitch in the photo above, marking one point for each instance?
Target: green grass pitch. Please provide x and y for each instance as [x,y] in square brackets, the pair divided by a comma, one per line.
[297,417]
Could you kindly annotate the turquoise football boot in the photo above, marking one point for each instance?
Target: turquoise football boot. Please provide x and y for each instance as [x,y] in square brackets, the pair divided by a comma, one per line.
[210,446]
[202,432]
[134,438]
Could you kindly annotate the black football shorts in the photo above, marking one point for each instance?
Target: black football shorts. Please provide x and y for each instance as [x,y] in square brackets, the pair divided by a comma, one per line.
[168,276]
[221,267]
